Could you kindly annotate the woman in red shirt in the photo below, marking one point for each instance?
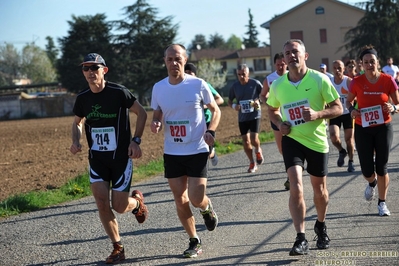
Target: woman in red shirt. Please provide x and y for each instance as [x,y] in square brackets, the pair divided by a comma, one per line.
[377,99]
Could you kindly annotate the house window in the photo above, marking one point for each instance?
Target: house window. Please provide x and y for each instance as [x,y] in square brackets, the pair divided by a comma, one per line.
[319,10]
[323,35]
[296,35]
[224,65]
[259,64]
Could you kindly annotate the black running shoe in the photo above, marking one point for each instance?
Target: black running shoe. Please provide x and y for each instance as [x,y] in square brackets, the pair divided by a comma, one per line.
[287,184]
[210,217]
[323,241]
[301,247]
[341,158]
[194,249]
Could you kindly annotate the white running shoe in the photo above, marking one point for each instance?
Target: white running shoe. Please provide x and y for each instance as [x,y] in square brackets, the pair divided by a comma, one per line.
[369,193]
[215,160]
[383,209]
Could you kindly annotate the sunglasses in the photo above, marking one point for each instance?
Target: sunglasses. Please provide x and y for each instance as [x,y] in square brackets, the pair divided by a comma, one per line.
[92,68]
[351,66]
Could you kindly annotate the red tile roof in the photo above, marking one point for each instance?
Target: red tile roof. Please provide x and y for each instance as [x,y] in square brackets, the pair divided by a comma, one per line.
[220,54]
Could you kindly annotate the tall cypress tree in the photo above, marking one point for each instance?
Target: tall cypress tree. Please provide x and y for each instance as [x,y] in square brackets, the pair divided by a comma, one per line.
[252,40]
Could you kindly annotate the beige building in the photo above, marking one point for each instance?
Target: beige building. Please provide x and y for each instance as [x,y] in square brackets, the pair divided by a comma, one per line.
[320,24]
[257,59]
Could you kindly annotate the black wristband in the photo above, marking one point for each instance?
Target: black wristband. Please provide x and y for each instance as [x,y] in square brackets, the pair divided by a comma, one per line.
[213,133]
[351,109]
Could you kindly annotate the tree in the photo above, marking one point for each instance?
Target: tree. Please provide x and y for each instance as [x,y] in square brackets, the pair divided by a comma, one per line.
[212,72]
[233,42]
[32,64]
[52,51]
[378,27]
[252,40]
[198,43]
[87,34]
[216,41]
[36,65]
[141,46]
[10,64]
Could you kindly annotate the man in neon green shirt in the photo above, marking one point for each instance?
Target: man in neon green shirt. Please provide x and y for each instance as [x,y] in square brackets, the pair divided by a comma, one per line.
[301,95]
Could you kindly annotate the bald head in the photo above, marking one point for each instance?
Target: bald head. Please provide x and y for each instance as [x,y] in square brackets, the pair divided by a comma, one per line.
[175,57]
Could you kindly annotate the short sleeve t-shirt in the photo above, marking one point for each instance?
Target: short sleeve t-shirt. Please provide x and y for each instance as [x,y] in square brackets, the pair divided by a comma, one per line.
[208,113]
[371,98]
[107,124]
[244,94]
[315,90]
[183,115]
[391,70]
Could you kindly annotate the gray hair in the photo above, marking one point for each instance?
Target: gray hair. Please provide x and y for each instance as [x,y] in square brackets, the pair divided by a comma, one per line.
[291,41]
[243,67]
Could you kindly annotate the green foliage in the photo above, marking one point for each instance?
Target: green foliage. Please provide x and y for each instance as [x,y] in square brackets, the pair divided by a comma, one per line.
[233,42]
[78,187]
[32,63]
[10,64]
[51,51]
[35,200]
[152,168]
[212,72]
[141,47]
[230,147]
[36,65]
[216,41]
[252,40]
[378,27]
[198,42]
[87,34]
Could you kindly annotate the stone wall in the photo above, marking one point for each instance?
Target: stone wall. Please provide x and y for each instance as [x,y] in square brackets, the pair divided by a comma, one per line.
[13,106]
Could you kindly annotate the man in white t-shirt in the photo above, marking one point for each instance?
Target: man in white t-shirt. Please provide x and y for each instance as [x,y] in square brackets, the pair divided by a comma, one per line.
[178,102]
[391,69]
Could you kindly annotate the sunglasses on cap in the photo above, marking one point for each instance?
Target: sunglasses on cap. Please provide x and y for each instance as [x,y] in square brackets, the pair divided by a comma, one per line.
[92,68]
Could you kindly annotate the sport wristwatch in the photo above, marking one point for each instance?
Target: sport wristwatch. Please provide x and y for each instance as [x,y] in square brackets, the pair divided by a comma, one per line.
[137,140]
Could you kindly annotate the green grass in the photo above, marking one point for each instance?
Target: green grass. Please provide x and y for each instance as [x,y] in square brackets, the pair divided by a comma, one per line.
[79,187]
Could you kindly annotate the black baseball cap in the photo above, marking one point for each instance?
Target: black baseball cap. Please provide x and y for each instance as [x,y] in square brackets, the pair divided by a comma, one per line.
[191,67]
[93,58]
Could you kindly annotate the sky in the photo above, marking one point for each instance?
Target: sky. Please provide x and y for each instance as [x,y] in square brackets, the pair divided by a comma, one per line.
[27,21]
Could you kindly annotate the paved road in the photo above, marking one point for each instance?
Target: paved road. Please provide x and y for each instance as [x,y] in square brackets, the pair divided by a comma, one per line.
[254,229]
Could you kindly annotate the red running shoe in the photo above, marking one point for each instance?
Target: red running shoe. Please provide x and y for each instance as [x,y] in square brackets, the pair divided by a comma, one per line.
[117,255]
[141,212]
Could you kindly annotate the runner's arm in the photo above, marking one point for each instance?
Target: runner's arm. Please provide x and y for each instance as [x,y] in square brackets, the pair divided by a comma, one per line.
[156,124]
[76,134]
[141,114]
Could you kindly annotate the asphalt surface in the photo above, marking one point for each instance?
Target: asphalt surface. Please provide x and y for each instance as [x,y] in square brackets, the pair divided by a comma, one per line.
[255,227]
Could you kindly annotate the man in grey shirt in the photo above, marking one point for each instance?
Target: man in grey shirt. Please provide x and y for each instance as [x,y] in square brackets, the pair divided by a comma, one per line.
[244,98]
